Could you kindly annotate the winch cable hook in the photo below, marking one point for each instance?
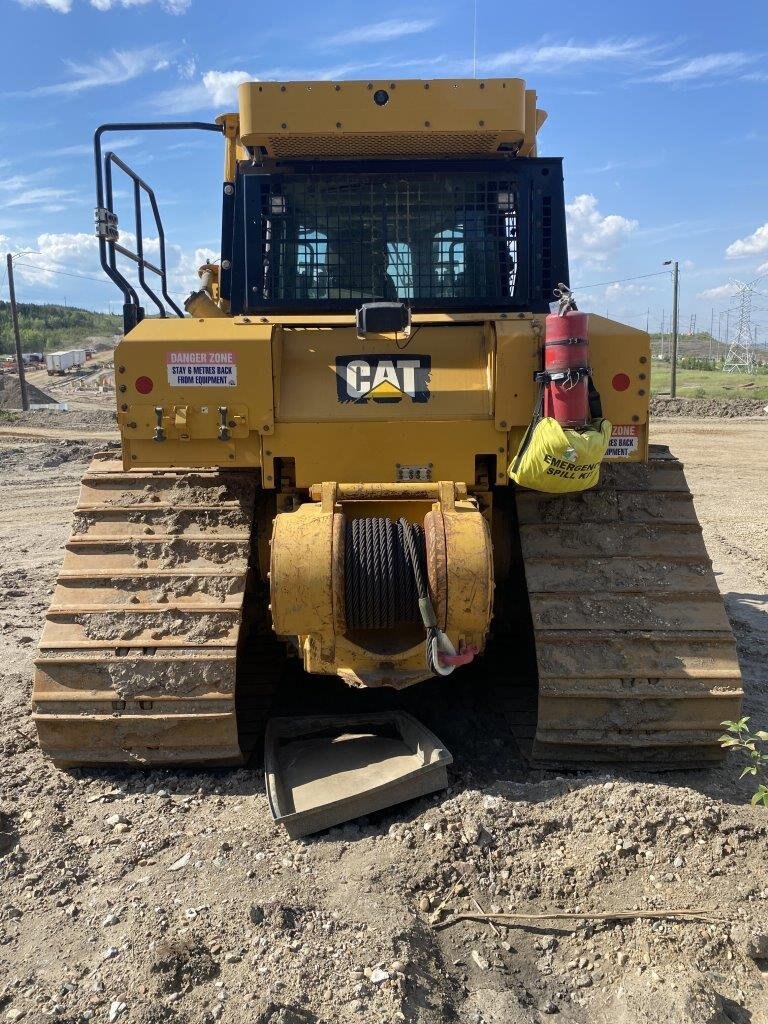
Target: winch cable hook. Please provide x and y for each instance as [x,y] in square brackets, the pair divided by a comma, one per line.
[442,656]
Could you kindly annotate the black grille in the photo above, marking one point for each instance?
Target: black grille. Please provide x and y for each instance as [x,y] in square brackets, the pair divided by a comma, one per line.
[546,245]
[376,237]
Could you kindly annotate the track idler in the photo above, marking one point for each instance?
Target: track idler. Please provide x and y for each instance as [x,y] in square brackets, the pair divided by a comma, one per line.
[383,585]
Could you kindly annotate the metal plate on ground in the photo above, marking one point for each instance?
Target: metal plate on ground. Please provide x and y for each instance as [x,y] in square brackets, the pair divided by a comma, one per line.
[321,771]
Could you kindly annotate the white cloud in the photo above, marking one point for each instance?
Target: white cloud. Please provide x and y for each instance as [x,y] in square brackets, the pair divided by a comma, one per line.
[379,32]
[171,6]
[221,86]
[114,68]
[54,255]
[753,245]
[217,88]
[622,290]
[762,269]
[183,278]
[712,65]
[16,182]
[75,255]
[592,236]
[214,90]
[186,68]
[60,6]
[547,57]
[48,199]
[65,6]
[722,291]
[34,190]
[86,148]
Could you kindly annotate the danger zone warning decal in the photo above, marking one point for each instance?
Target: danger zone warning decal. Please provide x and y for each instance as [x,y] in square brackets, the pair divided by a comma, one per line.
[201,369]
[625,440]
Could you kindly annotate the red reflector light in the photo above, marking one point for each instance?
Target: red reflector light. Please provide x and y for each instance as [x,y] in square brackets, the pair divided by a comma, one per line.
[620,382]
[145,384]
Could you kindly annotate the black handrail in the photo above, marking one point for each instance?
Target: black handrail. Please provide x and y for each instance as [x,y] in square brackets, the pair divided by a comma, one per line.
[106,220]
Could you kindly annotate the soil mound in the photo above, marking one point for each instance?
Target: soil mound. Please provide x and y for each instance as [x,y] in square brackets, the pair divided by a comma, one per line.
[10,394]
[725,408]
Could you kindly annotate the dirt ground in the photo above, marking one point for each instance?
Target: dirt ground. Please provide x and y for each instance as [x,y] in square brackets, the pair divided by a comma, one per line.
[172,896]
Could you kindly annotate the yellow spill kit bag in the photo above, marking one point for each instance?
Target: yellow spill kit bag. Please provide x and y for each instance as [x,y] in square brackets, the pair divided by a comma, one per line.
[558,460]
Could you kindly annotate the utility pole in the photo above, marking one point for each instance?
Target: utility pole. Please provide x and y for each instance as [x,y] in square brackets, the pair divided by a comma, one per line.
[711,331]
[17,336]
[675,291]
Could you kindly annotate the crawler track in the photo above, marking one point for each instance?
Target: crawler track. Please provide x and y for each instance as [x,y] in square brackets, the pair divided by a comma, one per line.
[139,654]
[636,659]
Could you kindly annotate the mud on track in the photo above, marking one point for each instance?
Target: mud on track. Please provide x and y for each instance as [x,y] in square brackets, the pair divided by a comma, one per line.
[171,896]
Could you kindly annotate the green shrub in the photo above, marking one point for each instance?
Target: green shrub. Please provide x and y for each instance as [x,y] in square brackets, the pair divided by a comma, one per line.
[753,748]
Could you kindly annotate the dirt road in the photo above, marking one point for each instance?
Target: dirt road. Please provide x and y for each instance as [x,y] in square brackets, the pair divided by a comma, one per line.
[171,896]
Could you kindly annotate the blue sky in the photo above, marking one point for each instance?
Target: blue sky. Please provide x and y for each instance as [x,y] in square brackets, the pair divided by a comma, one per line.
[661,113]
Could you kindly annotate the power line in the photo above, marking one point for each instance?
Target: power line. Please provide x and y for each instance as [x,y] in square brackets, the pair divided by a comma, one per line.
[620,280]
[64,273]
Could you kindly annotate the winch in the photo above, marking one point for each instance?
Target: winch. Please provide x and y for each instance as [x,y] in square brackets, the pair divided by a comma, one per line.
[383,585]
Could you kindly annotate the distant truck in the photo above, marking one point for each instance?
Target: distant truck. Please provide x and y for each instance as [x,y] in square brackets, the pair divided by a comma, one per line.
[59,363]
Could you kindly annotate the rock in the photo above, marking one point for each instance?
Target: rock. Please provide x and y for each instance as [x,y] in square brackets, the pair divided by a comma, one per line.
[753,943]
[256,914]
[181,862]
[425,904]
[115,1009]
[549,1007]
[378,975]
[110,953]
[109,920]
[480,960]
[15,1014]
[117,819]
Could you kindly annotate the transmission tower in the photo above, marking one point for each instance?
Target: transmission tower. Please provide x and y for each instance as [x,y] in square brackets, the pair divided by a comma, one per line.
[741,357]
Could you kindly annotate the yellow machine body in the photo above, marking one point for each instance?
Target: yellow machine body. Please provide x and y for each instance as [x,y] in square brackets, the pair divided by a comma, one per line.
[418,118]
[255,437]
[284,404]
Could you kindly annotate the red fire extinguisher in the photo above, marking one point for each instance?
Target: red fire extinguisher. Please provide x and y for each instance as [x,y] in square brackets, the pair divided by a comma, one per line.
[566,369]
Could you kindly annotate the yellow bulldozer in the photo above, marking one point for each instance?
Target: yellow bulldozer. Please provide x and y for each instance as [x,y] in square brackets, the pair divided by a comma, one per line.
[320,448]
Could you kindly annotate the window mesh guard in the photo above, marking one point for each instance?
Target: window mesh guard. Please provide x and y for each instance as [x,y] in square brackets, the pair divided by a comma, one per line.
[340,237]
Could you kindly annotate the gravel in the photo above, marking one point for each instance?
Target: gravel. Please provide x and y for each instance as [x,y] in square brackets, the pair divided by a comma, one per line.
[171,896]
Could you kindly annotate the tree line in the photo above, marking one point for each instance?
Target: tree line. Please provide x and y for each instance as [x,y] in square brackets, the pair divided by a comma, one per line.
[47,327]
